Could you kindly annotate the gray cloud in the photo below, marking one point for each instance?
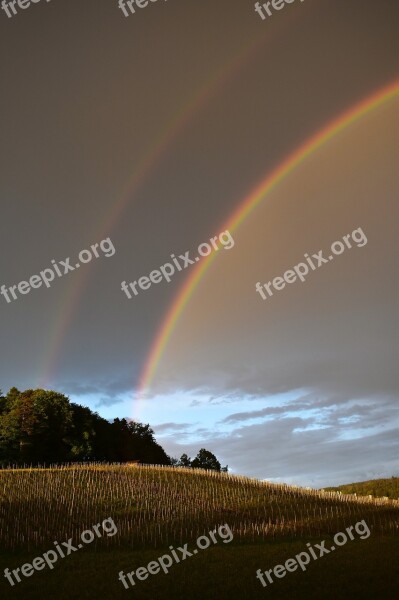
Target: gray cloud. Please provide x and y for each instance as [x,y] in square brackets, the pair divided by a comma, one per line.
[143,156]
[276,451]
[178,427]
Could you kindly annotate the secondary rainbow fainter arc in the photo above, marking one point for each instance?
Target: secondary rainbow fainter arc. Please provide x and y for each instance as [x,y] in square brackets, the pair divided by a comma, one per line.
[247,206]
[198,99]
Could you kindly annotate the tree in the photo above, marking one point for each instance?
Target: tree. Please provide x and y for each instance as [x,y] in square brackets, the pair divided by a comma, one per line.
[54,426]
[34,426]
[82,439]
[206,460]
[203,460]
[184,461]
[43,426]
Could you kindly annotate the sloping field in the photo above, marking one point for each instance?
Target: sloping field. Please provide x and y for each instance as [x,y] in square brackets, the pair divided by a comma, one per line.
[374,487]
[155,509]
[158,506]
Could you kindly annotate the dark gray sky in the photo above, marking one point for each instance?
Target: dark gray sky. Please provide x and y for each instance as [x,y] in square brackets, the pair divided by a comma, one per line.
[151,130]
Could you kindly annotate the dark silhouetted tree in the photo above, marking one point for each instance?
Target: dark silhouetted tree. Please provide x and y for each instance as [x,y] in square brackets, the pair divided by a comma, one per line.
[206,460]
[184,461]
[38,426]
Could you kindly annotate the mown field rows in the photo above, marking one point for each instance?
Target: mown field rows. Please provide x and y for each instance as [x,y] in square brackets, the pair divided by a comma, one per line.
[158,506]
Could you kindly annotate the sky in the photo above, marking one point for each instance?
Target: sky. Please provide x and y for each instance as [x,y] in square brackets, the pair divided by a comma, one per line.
[145,135]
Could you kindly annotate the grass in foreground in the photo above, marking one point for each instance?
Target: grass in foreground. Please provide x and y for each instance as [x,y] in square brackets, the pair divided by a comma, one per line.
[360,570]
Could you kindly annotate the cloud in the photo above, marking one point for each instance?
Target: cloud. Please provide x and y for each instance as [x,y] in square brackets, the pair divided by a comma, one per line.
[108,401]
[326,446]
[172,427]
[264,412]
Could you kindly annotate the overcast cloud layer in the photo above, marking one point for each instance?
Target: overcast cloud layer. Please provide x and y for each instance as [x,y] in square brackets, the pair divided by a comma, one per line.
[151,130]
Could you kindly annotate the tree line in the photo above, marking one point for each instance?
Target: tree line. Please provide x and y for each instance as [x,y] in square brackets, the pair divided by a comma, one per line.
[44,427]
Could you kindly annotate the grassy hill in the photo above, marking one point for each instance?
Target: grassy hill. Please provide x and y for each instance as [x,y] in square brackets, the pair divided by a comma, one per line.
[374,487]
[155,508]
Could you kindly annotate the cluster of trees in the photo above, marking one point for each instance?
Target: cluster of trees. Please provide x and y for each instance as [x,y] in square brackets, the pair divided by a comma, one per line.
[43,426]
[203,460]
[40,426]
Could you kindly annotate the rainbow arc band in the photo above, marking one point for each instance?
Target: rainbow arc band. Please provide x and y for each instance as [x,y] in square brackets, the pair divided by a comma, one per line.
[156,150]
[247,206]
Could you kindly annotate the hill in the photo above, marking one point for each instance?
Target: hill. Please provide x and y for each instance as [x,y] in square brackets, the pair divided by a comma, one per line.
[158,504]
[151,510]
[374,487]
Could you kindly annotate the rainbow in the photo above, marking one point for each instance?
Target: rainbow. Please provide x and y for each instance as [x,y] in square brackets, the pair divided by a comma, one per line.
[246,207]
[202,96]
